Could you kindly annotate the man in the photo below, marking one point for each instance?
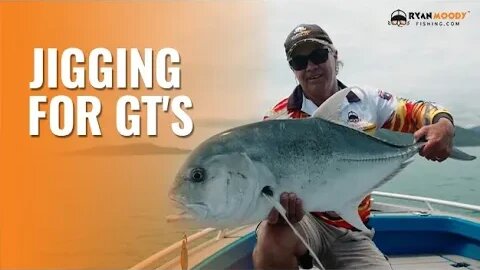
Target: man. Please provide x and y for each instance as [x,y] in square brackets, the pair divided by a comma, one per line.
[314,61]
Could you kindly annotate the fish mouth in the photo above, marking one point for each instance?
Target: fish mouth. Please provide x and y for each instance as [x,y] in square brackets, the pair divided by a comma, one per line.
[177,201]
[177,204]
[200,209]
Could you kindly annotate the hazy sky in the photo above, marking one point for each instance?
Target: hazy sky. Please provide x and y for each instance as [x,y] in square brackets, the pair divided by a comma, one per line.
[420,62]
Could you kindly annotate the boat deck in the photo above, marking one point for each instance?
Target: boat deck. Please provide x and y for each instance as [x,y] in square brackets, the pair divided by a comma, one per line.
[430,262]
[439,262]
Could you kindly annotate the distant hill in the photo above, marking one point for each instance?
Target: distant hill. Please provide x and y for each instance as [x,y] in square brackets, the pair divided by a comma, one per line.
[476,129]
[466,137]
[463,137]
[130,149]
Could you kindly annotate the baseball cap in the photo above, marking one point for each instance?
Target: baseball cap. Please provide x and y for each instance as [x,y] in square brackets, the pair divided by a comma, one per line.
[306,33]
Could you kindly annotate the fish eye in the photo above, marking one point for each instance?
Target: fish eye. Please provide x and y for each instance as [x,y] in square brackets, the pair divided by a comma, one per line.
[197,175]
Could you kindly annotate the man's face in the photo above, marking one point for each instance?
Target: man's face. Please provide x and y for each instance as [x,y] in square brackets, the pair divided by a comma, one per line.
[317,80]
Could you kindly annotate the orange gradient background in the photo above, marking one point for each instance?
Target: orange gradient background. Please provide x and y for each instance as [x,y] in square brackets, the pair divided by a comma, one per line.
[60,209]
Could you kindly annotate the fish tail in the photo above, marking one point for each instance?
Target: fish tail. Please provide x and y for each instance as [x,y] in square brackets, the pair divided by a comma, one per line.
[460,155]
[455,154]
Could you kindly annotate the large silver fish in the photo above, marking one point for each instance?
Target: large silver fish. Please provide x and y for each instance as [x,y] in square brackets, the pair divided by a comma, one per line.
[331,167]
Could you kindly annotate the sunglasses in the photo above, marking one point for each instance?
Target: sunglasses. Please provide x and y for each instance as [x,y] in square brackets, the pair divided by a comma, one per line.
[318,56]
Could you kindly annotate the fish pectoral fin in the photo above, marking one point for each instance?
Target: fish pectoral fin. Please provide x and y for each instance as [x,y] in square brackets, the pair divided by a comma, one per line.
[460,155]
[350,215]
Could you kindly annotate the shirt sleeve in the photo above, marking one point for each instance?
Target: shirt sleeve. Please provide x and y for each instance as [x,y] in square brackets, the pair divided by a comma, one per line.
[279,111]
[408,115]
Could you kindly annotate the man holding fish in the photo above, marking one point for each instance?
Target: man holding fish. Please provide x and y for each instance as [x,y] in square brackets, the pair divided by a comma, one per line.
[339,245]
[329,160]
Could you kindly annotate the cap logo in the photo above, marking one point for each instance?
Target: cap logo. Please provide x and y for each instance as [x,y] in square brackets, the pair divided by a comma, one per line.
[299,29]
[300,32]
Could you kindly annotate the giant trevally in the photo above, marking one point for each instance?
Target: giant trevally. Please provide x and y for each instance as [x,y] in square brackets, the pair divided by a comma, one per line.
[330,166]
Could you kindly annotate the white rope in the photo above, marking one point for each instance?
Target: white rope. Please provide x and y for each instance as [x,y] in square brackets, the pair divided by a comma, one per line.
[283,212]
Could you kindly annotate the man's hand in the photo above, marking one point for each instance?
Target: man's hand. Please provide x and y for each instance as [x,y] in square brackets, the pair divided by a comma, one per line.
[294,208]
[439,138]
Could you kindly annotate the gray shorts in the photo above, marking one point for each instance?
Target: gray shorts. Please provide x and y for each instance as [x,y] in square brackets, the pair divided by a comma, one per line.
[340,248]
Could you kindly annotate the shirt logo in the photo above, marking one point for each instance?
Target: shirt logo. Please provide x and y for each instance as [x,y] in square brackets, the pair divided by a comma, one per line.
[353,117]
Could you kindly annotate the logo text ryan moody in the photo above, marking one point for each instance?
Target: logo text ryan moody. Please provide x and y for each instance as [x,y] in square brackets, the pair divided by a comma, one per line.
[437,15]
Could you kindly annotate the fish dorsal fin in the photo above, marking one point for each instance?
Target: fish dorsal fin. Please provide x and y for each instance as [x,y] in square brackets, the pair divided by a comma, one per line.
[330,109]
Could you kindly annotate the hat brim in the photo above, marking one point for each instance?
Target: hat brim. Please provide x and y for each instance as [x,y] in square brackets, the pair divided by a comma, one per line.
[307,40]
